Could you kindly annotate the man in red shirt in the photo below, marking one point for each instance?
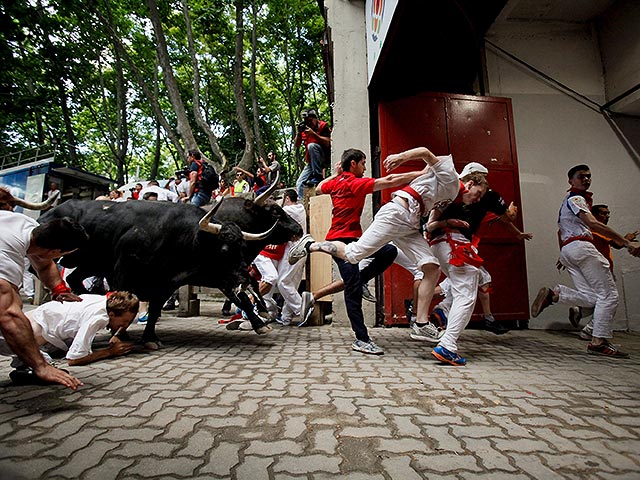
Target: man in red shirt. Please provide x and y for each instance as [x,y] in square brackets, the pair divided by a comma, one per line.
[315,135]
[348,189]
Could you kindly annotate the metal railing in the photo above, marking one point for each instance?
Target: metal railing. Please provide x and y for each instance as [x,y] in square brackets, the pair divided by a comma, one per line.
[28,155]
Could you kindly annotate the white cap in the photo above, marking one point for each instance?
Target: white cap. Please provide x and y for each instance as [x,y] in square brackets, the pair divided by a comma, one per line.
[473,167]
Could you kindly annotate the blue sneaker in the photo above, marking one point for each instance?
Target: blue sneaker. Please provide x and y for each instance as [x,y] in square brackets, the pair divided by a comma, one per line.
[143,318]
[447,356]
[439,318]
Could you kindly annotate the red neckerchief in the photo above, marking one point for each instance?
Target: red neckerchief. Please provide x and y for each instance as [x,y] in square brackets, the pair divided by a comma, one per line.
[461,192]
[588,196]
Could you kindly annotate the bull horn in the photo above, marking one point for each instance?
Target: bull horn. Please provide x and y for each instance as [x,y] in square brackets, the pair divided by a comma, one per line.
[37,206]
[207,226]
[258,236]
[267,193]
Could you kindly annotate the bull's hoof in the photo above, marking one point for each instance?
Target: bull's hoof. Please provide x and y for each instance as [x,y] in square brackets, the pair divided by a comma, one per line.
[263,330]
[152,345]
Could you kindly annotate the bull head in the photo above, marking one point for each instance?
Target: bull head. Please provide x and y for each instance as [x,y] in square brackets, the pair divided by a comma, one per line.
[11,201]
[207,226]
[267,193]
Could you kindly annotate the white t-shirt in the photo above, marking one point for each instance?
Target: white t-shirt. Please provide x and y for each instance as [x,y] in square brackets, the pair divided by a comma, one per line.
[72,326]
[298,213]
[569,223]
[164,195]
[438,188]
[15,238]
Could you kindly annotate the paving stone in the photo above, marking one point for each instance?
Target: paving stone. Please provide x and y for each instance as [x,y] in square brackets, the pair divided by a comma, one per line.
[220,404]
[271,449]
[254,468]
[307,464]
[149,467]
[84,459]
[443,463]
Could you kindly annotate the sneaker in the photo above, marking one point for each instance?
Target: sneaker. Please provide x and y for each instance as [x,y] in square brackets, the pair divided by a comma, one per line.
[447,356]
[234,324]
[308,303]
[272,307]
[438,317]
[606,349]
[285,322]
[26,376]
[575,315]
[491,325]
[542,301]
[226,313]
[366,294]
[143,317]
[170,305]
[426,333]
[367,347]
[299,249]
[245,325]
[586,333]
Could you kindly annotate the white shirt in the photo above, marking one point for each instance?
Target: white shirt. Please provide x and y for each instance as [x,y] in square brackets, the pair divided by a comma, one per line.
[15,238]
[298,213]
[569,223]
[72,326]
[164,195]
[438,188]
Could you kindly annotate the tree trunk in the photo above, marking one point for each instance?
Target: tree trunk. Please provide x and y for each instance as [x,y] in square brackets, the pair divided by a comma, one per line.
[238,90]
[254,95]
[182,122]
[153,99]
[220,162]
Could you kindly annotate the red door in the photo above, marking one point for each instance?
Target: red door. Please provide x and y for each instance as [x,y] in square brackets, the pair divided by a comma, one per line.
[472,129]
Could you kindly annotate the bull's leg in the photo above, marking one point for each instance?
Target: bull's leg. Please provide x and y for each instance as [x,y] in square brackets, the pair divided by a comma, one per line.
[245,304]
[149,338]
[74,280]
[259,302]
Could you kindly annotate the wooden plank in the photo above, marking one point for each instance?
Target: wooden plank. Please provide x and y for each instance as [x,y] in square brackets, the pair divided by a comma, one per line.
[319,265]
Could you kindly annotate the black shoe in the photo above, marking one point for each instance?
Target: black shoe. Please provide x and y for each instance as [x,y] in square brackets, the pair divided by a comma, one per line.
[494,327]
[169,306]
[226,313]
[26,376]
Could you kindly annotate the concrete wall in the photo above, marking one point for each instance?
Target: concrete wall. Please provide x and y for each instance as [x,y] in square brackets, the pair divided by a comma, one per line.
[619,38]
[555,132]
[351,109]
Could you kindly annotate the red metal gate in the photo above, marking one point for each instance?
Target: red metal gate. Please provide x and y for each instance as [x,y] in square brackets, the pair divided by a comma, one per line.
[472,129]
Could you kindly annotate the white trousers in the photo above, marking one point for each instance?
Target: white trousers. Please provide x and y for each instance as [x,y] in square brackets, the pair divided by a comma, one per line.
[594,285]
[445,305]
[393,222]
[286,278]
[464,291]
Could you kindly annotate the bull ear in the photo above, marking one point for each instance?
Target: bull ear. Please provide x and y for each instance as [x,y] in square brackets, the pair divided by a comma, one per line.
[37,206]
[258,236]
[267,193]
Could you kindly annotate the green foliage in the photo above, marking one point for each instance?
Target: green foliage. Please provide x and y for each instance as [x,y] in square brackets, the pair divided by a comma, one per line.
[59,81]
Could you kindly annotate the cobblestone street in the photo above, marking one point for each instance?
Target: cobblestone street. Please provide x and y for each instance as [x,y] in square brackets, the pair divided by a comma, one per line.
[298,403]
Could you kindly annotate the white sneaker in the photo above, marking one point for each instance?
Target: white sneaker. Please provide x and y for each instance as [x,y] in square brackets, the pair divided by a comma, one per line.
[364,347]
[298,250]
[308,304]
[426,333]
[586,333]
[245,325]
[272,307]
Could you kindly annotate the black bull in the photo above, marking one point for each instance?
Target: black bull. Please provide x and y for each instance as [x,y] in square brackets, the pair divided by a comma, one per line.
[152,248]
